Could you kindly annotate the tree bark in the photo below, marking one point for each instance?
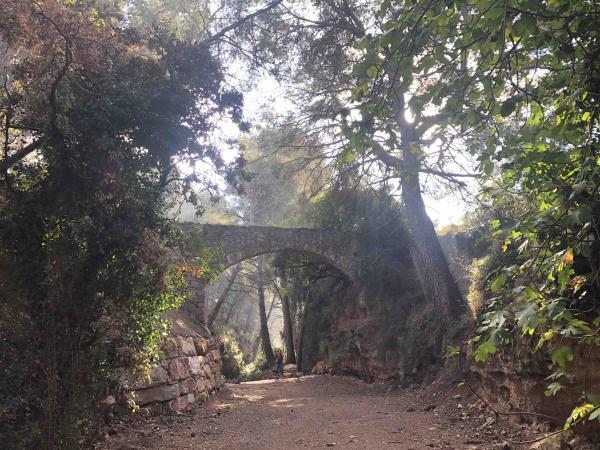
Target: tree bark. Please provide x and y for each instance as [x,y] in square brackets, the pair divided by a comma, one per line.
[264,327]
[221,300]
[299,363]
[432,268]
[288,329]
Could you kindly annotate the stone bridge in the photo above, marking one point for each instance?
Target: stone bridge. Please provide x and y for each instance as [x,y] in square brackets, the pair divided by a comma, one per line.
[238,243]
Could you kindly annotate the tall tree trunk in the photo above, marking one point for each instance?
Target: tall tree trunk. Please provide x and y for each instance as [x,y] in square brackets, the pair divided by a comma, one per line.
[264,327]
[230,311]
[259,335]
[248,322]
[288,329]
[434,274]
[215,312]
[303,321]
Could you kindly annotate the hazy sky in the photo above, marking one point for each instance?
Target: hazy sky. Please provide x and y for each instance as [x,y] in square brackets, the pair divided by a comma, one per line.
[269,95]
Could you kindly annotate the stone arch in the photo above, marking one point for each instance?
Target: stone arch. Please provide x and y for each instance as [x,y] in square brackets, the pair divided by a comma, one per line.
[237,243]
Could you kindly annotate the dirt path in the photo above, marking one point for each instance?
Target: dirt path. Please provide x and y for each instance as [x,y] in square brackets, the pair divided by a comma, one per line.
[308,412]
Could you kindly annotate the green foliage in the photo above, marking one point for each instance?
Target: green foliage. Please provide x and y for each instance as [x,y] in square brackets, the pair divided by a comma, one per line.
[517,83]
[233,358]
[109,111]
[372,222]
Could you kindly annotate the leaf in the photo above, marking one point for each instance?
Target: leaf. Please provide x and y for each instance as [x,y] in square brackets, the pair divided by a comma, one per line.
[552,389]
[498,282]
[484,351]
[452,350]
[508,107]
[561,356]
[564,275]
[569,256]
[579,413]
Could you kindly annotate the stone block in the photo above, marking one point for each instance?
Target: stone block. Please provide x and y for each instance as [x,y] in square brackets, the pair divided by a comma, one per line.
[207,371]
[187,386]
[156,394]
[196,365]
[201,385]
[186,346]
[157,376]
[216,355]
[191,399]
[201,346]
[202,397]
[169,347]
[178,369]
[179,404]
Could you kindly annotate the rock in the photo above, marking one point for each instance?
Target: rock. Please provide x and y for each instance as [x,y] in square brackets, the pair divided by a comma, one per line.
[191,399]
[201,385]
[186,346]
[169,348]
[429,408]
[216,355]
[109,400]
[320,368]
[179,404]
[552,443]
[201,345]
[178,369]
[187,386]
[290,368]
[157,376]
[156,394]
[196,365]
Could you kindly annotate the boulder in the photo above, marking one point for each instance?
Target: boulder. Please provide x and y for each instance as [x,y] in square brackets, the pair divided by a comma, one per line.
[290,368]
[156,394]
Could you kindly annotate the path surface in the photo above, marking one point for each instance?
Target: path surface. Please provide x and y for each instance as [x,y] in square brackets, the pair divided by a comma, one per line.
[308,412]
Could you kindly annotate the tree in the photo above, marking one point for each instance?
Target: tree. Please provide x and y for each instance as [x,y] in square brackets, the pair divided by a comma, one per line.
[288,324]
[94,117]
[221,300]
[353,90]
[264,327]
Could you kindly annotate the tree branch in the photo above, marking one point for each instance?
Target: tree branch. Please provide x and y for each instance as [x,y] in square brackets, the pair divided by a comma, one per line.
[241,21]
[20,154]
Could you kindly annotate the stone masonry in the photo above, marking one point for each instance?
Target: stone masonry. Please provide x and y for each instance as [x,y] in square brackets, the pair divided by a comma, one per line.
[243,242]
[189,373]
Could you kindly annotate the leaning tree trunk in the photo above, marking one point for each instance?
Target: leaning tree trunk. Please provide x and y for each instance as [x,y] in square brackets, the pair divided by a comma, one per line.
[433,272]
[264,327]
[288,328]
[221,300]
[432,267]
